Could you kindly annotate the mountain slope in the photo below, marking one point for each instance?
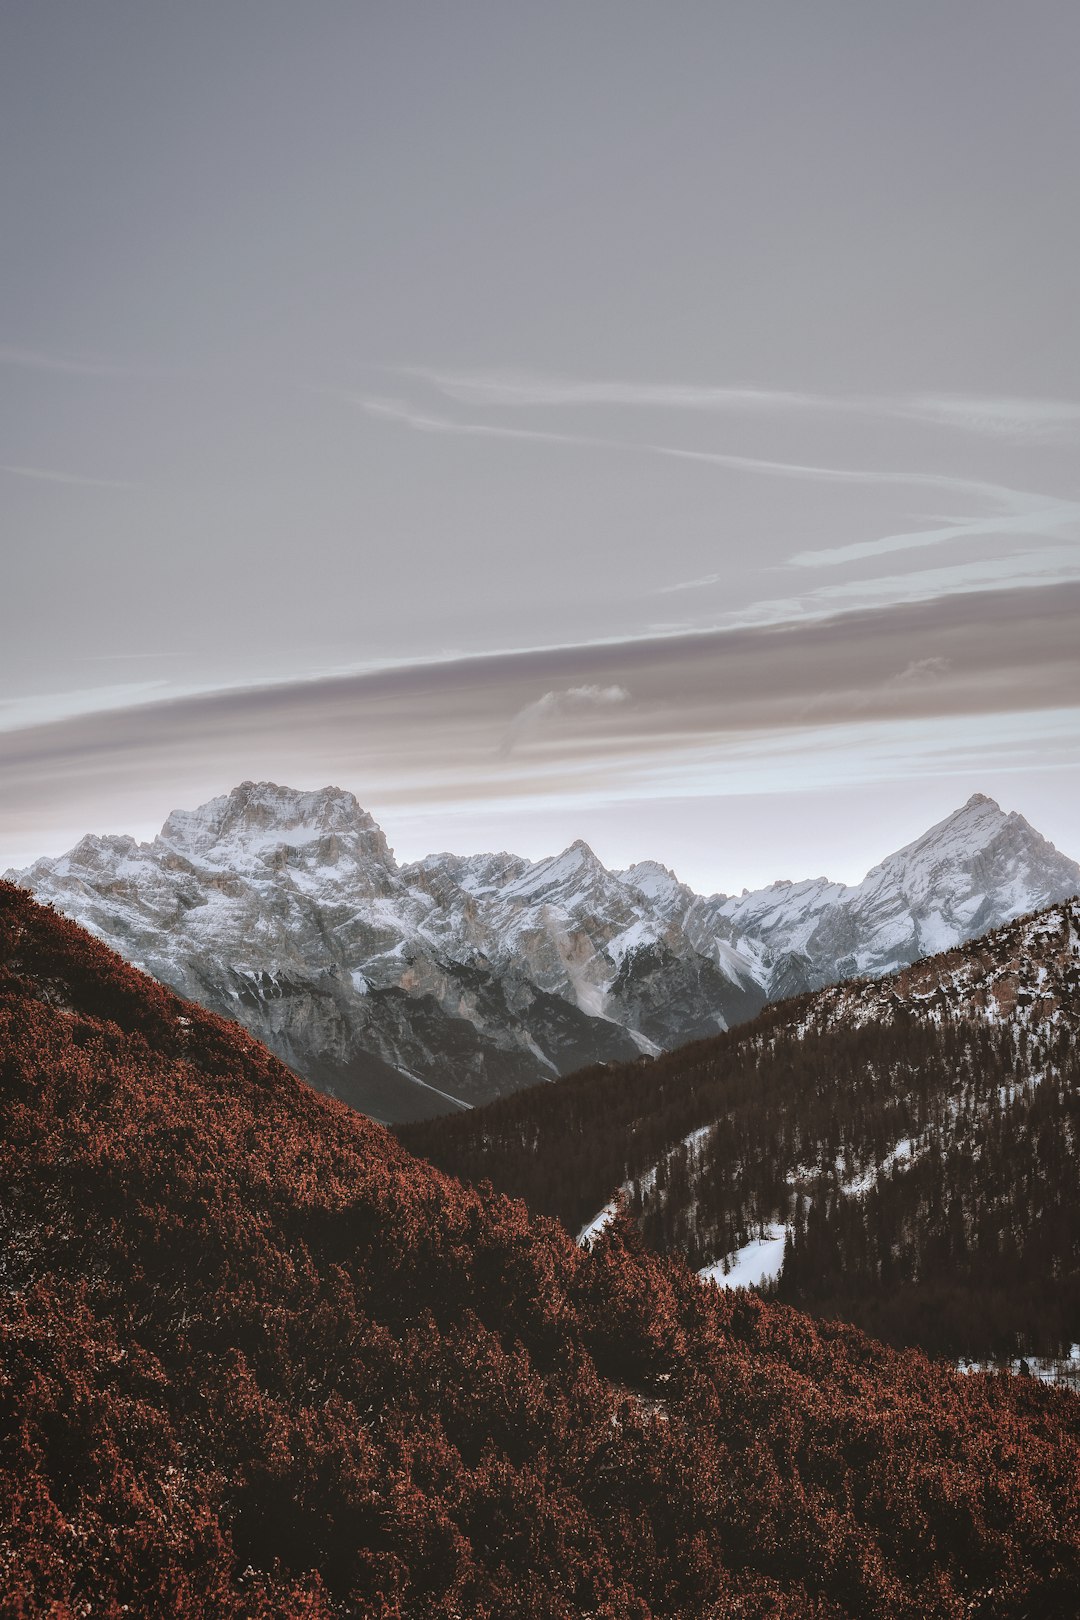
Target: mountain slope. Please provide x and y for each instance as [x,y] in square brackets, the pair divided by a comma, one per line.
[914,1137]
[410,991]
[255,1361]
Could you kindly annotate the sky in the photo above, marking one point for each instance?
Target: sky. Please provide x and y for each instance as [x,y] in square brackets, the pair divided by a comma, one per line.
[658,425]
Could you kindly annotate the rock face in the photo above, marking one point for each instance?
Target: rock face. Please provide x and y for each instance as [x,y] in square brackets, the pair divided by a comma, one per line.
[410,990]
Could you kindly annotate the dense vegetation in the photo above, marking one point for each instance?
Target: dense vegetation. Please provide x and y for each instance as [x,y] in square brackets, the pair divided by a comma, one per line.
[566,1145]
[256,1361]
[925,1165]
[972,1244]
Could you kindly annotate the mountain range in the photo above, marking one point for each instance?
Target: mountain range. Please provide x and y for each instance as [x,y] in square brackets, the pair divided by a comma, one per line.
[412,990]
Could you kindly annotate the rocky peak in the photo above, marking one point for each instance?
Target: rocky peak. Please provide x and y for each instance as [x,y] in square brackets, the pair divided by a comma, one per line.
[98,850]
[974,823]
[649,875]
[474,874]
[576,870]
[660,887]
[977,847]
[474,973]
[260,820]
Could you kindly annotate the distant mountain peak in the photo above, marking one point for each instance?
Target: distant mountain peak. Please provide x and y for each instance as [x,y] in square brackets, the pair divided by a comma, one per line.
[259,802]
[652,866]
[576,860]
[257,817]
[970,827]
[470,975]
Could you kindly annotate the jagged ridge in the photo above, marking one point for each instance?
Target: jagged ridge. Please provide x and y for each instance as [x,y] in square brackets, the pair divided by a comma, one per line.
[412,990]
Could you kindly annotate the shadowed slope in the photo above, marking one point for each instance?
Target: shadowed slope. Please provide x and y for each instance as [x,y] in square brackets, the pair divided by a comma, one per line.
[914,1135]
[256,1361]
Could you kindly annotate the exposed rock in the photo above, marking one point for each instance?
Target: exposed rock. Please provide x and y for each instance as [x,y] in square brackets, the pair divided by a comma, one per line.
[410,990]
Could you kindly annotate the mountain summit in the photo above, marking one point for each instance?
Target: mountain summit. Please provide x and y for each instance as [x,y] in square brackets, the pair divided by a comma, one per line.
[410,990]
[246,827]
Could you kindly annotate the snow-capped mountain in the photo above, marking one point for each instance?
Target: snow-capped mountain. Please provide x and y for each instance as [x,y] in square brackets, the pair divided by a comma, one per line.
[409,989]
[403,989]
[973,871]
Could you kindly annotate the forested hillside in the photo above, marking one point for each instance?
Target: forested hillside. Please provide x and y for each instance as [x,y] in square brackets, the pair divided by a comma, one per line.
[256,1361]
[915,1136]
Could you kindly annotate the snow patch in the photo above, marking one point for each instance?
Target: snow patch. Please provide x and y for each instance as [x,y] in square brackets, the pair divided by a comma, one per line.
[752,1265]
[593,1228]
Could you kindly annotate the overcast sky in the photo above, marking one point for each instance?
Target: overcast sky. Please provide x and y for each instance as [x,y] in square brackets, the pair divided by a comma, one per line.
[659,424]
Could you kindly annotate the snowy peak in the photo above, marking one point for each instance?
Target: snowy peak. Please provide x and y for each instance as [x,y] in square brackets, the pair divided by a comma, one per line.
[575,875]
[467,976]
[474,873]
[981,864]
[959,837]
[255,808]
[96,853]
[658,884]
[260,823]
[980,828]
[974,870]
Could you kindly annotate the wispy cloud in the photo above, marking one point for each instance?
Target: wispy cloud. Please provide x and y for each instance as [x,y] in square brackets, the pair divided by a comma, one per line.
[868,476]
[508,389]
[1013,512]
[1047,566]
[921,670]
[1007,418]
[999,417]
[49,475]
[1037,516]
[398,410]
[570,700]
[48,708]
[1018,512]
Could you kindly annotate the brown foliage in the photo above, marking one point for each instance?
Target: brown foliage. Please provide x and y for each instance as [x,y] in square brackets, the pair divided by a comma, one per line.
[256,1361]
